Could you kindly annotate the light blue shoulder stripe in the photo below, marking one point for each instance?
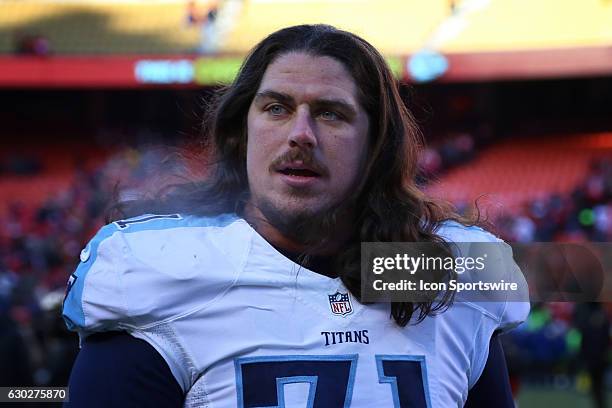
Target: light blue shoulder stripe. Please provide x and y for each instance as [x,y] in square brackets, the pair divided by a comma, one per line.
[152,222]
[73,303]
[73,306]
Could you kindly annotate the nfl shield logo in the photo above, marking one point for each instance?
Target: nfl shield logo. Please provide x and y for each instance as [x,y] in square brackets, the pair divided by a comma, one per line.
[340,303]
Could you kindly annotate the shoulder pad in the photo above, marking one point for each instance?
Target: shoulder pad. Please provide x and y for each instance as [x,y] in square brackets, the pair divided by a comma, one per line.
[506,309]
[147,270]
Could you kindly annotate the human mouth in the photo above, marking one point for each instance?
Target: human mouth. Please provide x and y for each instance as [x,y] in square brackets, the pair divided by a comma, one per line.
[298,174]
[298,169]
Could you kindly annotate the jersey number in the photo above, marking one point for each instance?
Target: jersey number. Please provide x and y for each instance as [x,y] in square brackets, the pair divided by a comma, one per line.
[261,380]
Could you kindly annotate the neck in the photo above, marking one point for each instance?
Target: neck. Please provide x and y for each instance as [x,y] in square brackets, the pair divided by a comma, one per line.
[327,244]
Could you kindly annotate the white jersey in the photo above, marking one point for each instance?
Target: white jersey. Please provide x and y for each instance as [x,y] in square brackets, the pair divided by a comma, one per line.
[241,325]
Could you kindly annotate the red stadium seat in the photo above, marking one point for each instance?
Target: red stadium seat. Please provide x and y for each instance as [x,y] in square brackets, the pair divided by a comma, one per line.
[518,170]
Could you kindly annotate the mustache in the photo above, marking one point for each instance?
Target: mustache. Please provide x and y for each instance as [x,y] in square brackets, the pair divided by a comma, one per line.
[297,154]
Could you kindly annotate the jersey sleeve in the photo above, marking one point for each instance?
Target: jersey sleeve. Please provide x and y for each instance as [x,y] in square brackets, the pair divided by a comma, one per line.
[95,296]
[115,369]
[493,386]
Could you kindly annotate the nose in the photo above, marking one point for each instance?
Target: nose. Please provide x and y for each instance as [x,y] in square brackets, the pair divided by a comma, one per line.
[302,132]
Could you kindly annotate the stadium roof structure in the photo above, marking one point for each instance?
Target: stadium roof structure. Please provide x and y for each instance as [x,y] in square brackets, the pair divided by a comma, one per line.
[469,39]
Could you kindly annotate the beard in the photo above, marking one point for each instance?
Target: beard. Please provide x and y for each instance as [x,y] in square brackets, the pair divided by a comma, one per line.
[312,228]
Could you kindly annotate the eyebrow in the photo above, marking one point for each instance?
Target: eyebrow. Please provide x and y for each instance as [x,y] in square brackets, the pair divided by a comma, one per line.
[340,104]
[281,97]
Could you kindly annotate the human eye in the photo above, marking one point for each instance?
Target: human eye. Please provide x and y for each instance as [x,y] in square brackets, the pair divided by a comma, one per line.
[330,116]
[276,109]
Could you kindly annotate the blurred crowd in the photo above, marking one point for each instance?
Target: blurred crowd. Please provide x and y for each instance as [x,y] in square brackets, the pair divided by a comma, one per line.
[564,345]
[39,248]
[453,150]
[583,215]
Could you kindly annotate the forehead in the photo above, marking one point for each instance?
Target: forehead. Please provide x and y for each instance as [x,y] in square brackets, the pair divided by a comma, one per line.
[305,76]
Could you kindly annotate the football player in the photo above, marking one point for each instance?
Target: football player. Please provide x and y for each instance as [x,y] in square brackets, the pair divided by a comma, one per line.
[243,289]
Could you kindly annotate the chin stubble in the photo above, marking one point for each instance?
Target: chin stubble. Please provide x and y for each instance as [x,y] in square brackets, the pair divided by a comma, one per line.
[304,227]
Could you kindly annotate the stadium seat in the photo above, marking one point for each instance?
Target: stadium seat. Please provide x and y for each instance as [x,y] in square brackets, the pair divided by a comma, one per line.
[517,170]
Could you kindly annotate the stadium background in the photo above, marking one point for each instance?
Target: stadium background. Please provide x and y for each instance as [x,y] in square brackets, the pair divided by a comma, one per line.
[514,98]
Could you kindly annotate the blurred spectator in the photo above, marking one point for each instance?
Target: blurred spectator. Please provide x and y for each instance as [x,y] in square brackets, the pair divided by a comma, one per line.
[457,149]
[523,229]
[14,355]
[594,326]
[22,165]
[206,21]
[430,162]
[32,44]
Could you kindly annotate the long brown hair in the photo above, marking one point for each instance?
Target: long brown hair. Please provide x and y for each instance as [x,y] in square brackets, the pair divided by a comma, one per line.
[388,205]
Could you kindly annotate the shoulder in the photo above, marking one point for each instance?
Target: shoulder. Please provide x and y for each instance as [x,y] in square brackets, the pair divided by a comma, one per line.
[453,231]
[173,240]
[504,309]
[145,270]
